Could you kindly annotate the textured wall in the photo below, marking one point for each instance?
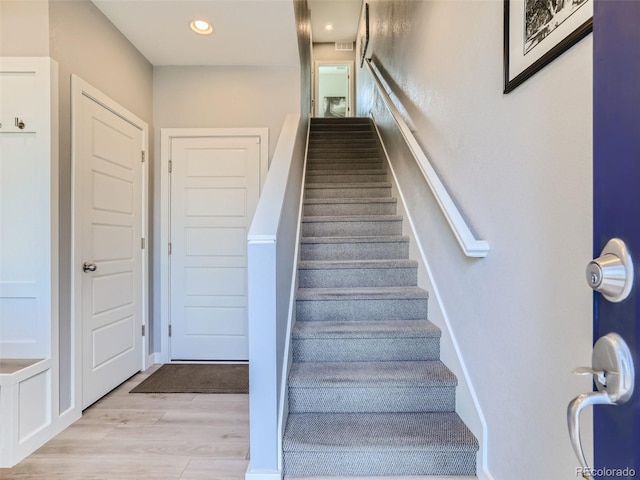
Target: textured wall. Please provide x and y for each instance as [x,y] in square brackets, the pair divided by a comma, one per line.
[519,166]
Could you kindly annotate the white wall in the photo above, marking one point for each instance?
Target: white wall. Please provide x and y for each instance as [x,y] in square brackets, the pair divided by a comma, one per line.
[24,28]
[86,43]
[519,166]
[225,97]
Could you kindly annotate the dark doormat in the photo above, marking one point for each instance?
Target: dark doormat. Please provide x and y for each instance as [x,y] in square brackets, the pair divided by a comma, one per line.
[190,378]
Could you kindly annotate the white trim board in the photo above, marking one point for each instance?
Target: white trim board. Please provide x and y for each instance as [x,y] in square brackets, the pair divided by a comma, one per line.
[79,89]
[161,244]
[467,403]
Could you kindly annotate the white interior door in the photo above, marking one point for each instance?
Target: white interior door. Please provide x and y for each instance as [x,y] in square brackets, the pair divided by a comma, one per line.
[215,185]
[109,200]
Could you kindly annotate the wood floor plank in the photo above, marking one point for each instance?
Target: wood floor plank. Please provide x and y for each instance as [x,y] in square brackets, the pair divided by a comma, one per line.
[112,416]
[104,467]
[207,469]
[147,436]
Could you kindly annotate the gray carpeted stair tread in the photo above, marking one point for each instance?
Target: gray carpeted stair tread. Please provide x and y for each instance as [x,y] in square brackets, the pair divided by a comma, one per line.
[365,341]
[313,175]
[373,432]
[347,178]
[367,171]
[368,394]
[354,247]
[342,147]
[351,218]
[326,201]
[377,375]
[334,225]
[320,155]
[317,186]
[357,273]
[351,190]
[351,239]
[343,166]
[366,330]
[328,206]
[372,293]
[355,264]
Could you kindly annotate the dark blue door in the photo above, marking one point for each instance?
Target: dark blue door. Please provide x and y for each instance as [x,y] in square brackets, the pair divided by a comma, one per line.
[616,115]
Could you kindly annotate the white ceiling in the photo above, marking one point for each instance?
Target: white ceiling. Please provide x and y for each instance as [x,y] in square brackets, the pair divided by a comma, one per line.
[342,14]
[246,32]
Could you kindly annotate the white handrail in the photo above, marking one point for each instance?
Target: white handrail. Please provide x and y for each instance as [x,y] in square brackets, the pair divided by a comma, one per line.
[471,246]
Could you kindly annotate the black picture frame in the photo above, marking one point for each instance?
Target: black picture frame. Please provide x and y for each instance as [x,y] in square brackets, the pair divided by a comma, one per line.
[553,44]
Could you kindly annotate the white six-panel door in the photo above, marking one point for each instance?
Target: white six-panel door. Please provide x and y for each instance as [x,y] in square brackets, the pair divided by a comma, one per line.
[215,185]
[109,209]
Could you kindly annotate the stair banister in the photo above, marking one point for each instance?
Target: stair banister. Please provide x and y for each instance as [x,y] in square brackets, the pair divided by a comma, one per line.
[271,252]
[471,246]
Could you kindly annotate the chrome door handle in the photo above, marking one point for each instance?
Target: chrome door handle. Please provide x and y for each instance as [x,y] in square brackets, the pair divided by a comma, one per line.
[611,274]
[89,267]
[614,376]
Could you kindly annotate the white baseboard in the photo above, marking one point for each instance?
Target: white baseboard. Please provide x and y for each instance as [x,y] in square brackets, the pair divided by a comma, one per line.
[262,475]
[151,360]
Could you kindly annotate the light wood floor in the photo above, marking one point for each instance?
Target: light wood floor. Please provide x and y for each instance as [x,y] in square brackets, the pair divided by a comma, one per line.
[148,437]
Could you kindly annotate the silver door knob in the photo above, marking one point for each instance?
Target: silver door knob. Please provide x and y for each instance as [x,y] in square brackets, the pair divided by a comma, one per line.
[89,267]
[611,274]
[614,375]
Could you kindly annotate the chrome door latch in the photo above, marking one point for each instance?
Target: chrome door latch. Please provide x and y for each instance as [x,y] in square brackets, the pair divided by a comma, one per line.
[89,267]
[611,274]
[614,376]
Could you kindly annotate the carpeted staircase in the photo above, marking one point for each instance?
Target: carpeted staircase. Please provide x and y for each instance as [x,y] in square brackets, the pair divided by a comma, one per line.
[368,395]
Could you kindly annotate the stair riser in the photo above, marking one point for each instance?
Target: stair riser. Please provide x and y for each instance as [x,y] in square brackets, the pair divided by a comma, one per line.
[341,127]
[354,251]
[365,349]
[351,228]
[347,178]
[359,165]
[388,462]
[331,209]
[351,143]
[371,399]
[327,133]
[347,192]
[379,309]
[340,153]
[358,277]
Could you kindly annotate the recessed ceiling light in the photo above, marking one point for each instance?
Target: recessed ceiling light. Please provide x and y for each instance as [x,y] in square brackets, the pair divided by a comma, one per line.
[328,27]
[202,27]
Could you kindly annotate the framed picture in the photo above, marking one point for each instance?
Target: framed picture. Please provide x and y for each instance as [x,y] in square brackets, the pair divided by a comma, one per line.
[364,38]
[538,31]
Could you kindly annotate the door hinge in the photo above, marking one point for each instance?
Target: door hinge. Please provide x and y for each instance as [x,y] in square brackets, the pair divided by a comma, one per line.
[169,330]
[143,331]
[170,166]
[142,156]
[169,249]
[142,243]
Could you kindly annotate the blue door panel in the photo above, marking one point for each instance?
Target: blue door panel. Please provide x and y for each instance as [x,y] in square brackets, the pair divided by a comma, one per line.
[616,116]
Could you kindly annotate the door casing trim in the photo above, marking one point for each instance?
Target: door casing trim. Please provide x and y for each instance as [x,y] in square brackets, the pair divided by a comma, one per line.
[161,241]
[316,83]
[80,88]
